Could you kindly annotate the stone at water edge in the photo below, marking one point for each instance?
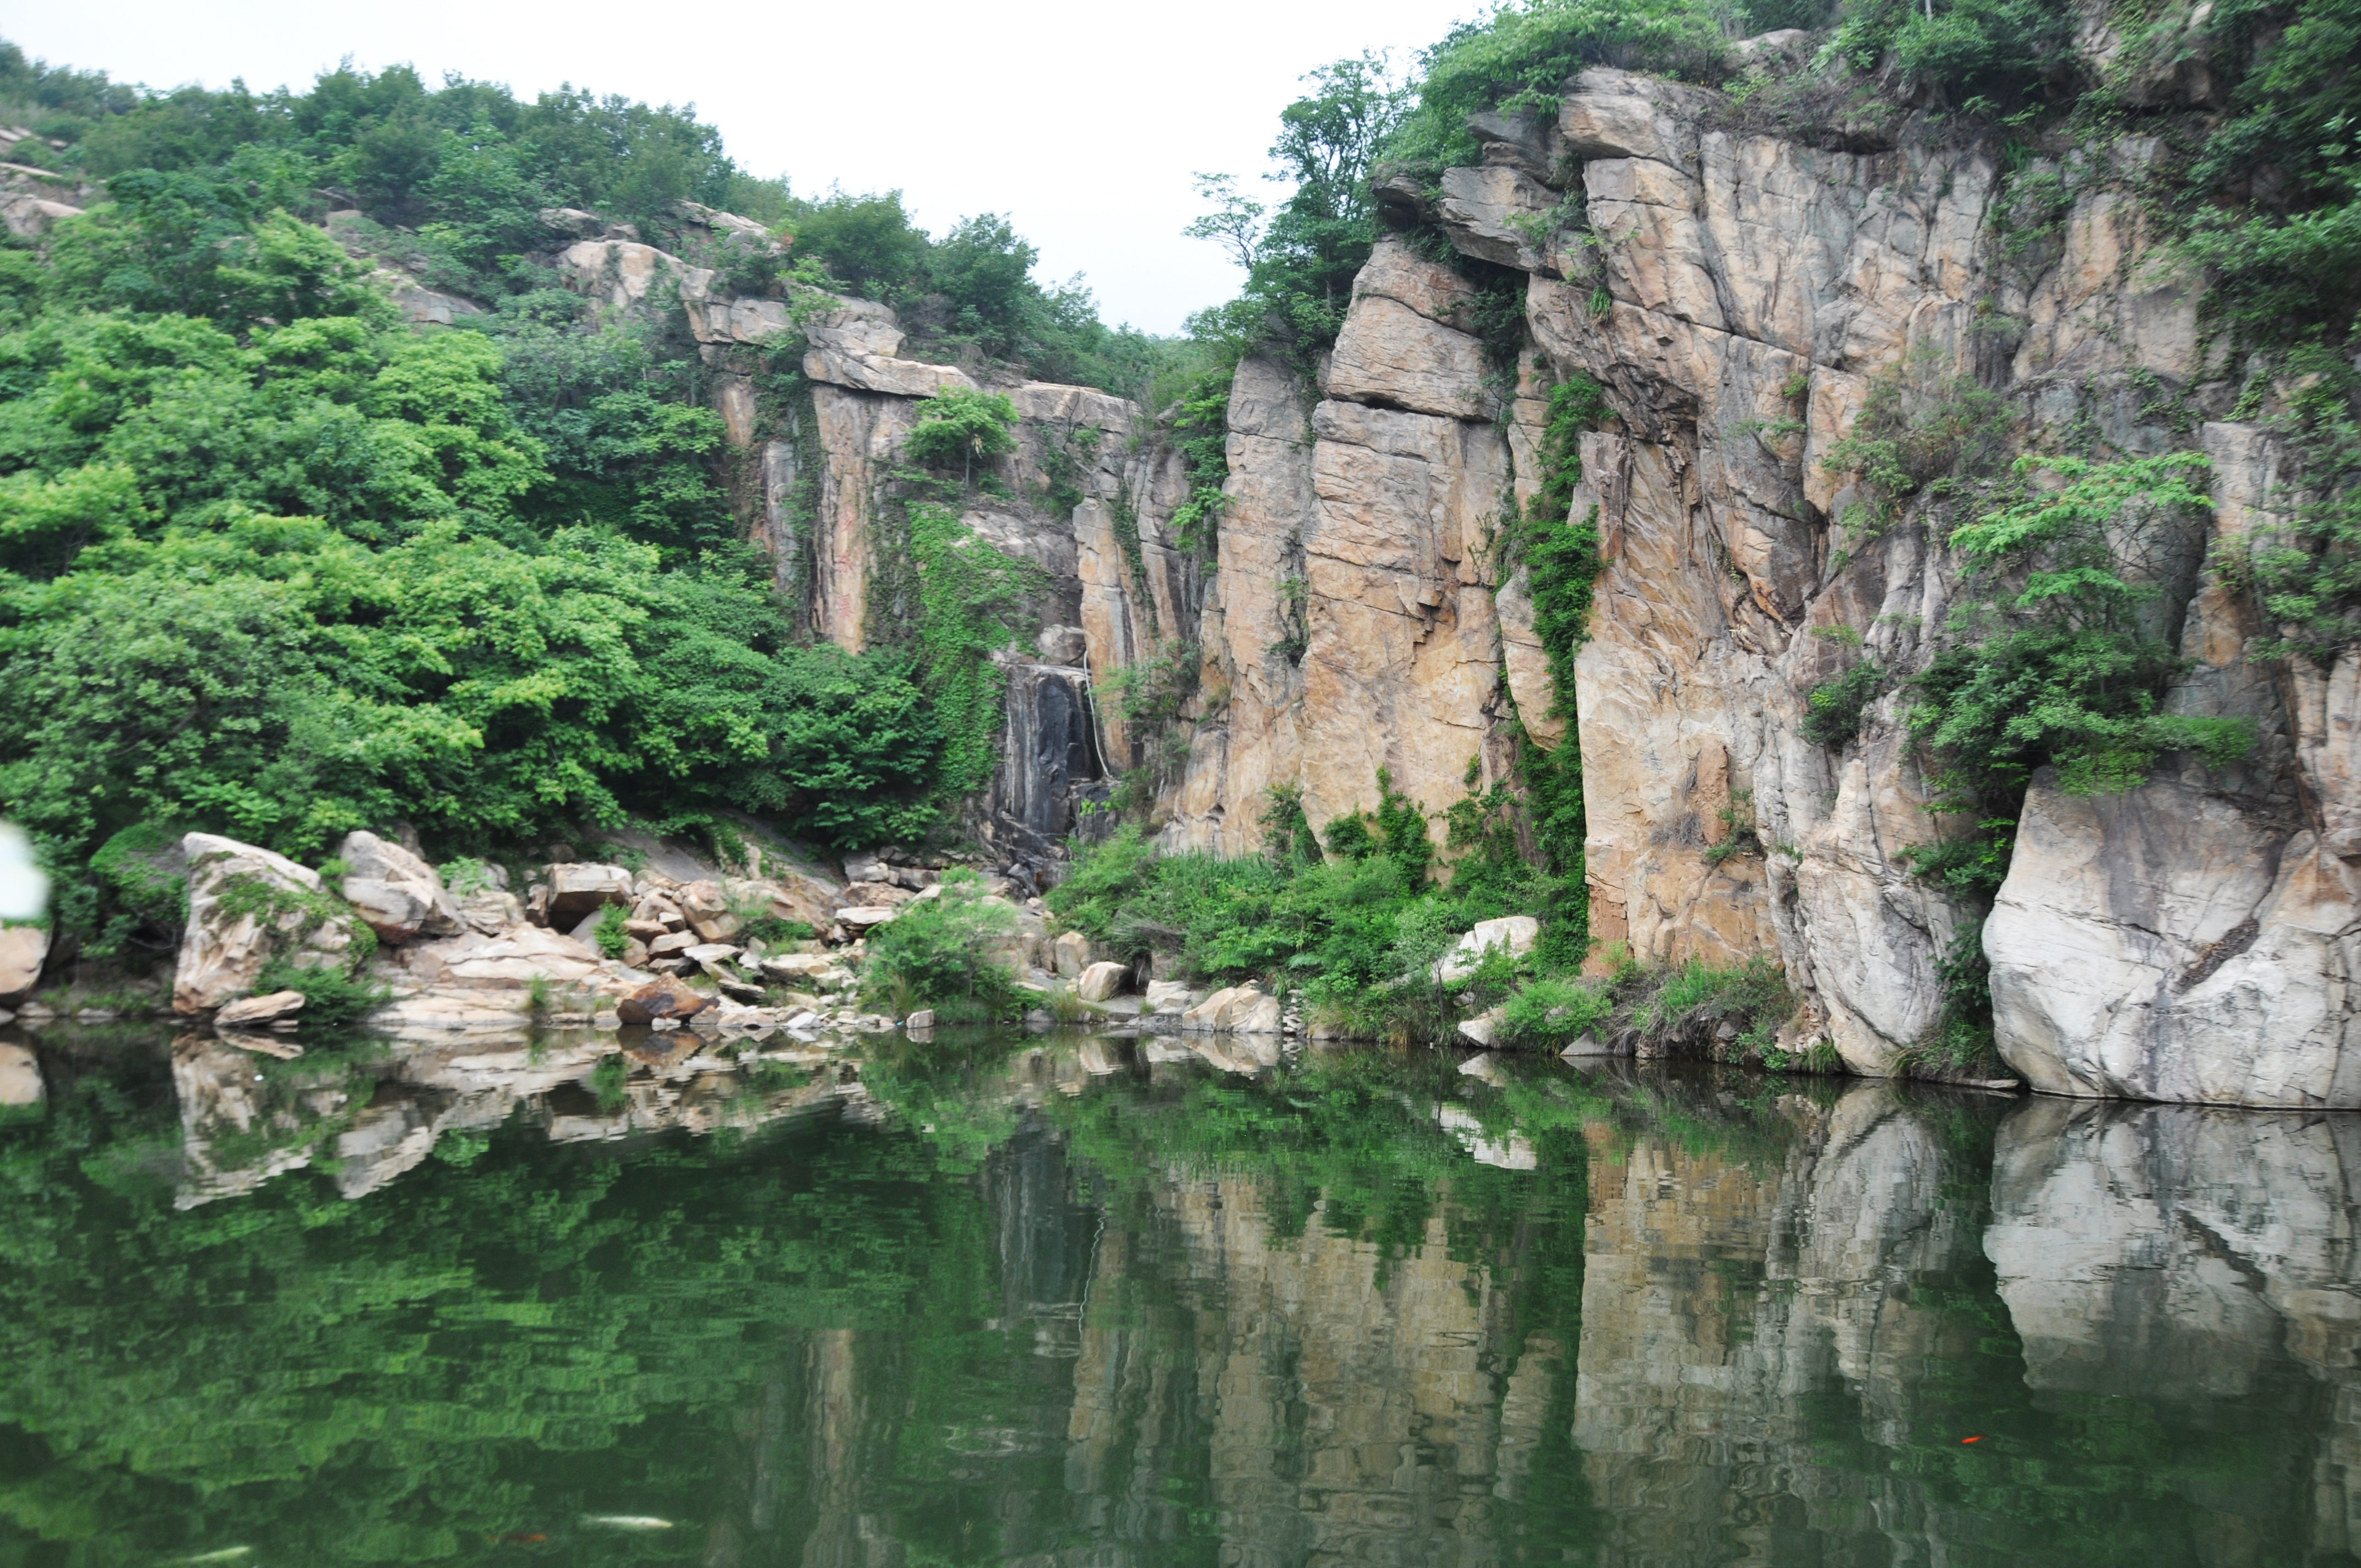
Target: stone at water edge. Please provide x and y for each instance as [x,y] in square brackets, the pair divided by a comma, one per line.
[221,953]
[664,997]
[1481,1029]
[924,1018]
[252,1010]
[1167,996]
[23,949]
[1588,1045]
[1101,980]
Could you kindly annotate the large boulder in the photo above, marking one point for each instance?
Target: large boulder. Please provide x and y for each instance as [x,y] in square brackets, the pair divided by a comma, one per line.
[394,892]
[1238,1009]
[23,950]
[707,908]
[1512,933]
[248,905]
[2166,944]
[666,996]
[508,960]
[1072,953]
[581,887]
[1101,981]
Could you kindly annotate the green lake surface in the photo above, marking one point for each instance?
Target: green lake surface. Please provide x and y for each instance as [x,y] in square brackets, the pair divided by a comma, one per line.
[1091,1303]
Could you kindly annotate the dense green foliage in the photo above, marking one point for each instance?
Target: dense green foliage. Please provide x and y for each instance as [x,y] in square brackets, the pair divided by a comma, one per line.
[1301,264]
[273,564]
[943,952]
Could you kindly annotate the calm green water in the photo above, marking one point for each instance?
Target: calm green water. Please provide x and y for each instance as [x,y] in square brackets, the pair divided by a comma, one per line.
[1082,1304]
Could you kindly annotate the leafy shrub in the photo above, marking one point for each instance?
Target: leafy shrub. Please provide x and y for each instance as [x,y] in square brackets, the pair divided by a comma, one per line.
[333,997]
[1985,54]
[1692,1003]
[1551,1014]
[609,934]
[957,425]
[2076,681]
[1520,56]
[1833,710]
[939,953]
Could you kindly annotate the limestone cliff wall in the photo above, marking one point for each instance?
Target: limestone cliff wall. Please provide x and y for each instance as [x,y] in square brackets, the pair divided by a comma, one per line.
[1738,295]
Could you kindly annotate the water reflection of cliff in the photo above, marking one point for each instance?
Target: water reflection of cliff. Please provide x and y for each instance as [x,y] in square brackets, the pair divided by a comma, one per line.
[1116,1310]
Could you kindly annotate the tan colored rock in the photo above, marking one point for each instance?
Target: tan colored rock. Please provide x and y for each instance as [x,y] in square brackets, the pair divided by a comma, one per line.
[1071,951]
[509,961]
[396,894]
[863,917]
[23,950]
[2163,944]
[1168,997]
[249,1010]
[621,273]
[489,911]
[1101,980]
[706,905]
[1482,207]
[664,997]
[1511,933]
[579,888]
[874,373]
[1388,353]
[247,906]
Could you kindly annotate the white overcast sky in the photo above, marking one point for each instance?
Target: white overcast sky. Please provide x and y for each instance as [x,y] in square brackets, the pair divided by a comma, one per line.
[1081,121]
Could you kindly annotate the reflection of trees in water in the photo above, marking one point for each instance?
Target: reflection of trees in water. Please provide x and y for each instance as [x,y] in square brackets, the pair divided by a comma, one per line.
[1045,1314]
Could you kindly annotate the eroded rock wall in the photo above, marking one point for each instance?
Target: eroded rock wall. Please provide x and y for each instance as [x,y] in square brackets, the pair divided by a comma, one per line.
[1739,296]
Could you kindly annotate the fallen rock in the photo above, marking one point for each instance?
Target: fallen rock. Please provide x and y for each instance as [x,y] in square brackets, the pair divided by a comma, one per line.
[1071,954]
[248,905]
[798,966]
[23,950]
[1516,933]
[397,894]
[1240,1009]
[1101,980]
[864,916]
[578,888]
[490,910]
[250,1010]
[509,960]
[710,953]
[673,944]
[1482,1028]
[666,997]
[1168,997]
[706,908]
[924,1018]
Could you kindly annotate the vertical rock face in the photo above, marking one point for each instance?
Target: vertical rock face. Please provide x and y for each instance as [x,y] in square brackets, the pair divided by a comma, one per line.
[1738,297]
[1352,628]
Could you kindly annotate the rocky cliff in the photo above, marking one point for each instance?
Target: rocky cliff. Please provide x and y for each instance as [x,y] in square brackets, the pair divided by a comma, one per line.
[1742,298]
